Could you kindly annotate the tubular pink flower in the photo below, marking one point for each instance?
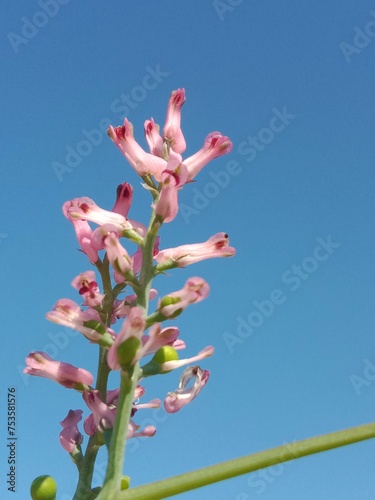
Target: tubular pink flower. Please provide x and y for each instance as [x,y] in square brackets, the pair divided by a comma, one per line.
[172,132]
[40,364]
[153,138]
[154,403]
[66,312]
[148,431]
[142,162]
[157,338]
[100,234]
[194,290]
[103,415]
[86,209]
[172,180]
[124,197]
[214,145]
[133,326]
[167,205]
[184,395]
[216,246]
[172,365]
[122,307]
[84,236]
[70,437]
[87,287]
[117,255]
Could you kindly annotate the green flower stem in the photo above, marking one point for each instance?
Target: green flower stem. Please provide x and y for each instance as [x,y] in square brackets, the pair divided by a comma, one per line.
[86,470]
[116,454]
[148,270]
[87,462]
[246,464]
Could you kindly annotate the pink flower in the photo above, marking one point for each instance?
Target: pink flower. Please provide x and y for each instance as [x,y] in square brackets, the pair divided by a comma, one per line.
[214,145]
[184,395]
[122,307]
[118,257]
[70,437]
[194,290]
[40,364]
[66,312]
[148,431]
[87,287]
[157,338]
[124,196]
[103,416]
[142,162]
[216,246]
[133,326]
[172,365]
[86,209]
[84,236]
[153,138]
[167,205]
[172,133]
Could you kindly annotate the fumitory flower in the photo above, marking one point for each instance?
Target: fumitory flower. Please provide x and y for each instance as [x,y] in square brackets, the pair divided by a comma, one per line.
[166,360]
[184,394]
[153,138]
[158,337]
[128,340]
[70,437]
[214,145]
[142,162]
[124,197]
[167,205]
[42,365]
[87,286]
[66,312]
[86,209]
[172,133]
[103,414]
[216,246]
[194,290]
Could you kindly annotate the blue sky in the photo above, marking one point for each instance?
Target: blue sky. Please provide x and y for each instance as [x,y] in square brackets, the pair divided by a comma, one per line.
[292,315]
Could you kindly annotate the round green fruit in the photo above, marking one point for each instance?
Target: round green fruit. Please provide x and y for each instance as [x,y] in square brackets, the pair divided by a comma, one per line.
[164,354]
[43,488]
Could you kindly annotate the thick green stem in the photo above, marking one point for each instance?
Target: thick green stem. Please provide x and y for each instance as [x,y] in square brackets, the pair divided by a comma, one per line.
[246,464]
[116,454]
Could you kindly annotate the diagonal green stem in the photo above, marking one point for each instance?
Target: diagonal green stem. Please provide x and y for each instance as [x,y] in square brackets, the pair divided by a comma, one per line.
[246,464]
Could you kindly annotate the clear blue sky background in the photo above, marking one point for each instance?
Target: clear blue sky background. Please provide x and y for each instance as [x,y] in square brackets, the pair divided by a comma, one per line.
[313,177]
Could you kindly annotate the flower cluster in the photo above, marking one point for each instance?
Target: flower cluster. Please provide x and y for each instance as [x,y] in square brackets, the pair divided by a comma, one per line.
[140,337]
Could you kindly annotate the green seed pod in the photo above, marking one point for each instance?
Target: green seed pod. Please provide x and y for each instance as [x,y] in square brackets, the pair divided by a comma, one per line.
[43,488]
[165,353]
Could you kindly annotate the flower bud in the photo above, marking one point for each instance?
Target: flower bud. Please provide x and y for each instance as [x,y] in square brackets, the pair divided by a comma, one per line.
[125,483]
